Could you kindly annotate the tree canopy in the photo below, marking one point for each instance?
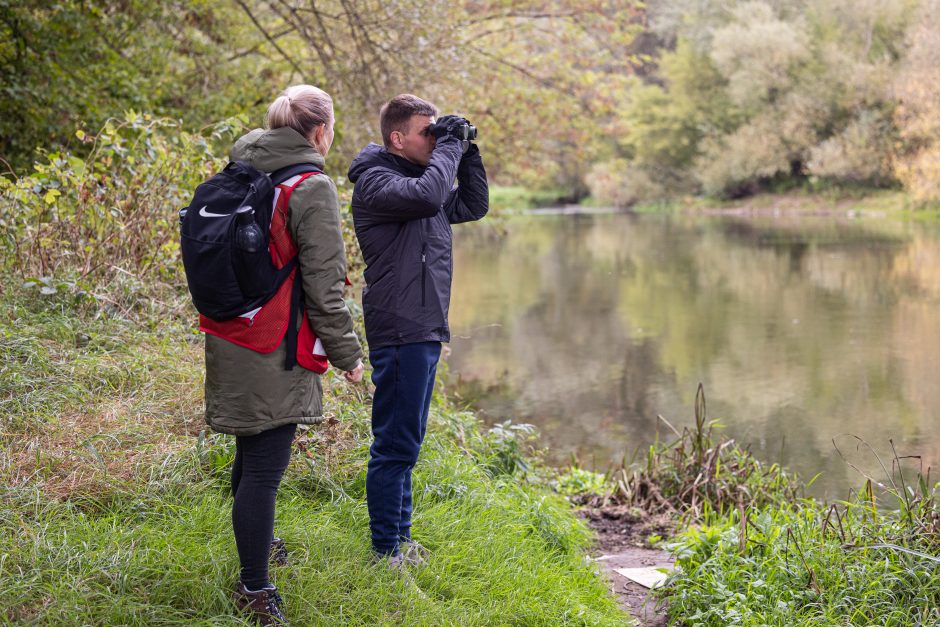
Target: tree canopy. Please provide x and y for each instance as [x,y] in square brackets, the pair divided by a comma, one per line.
[628,101]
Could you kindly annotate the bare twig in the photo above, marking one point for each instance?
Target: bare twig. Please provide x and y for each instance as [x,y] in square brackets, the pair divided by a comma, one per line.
[268,36]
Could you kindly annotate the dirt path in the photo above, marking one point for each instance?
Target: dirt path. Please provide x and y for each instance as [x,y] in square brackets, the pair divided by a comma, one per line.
[634,598]
[622,543]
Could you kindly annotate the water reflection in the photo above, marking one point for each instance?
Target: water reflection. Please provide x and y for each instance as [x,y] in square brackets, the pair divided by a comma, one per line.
[801,330]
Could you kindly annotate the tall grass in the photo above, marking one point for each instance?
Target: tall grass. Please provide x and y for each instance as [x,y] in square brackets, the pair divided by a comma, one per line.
[165,555]
[756,552]
[699,473]
[803,564]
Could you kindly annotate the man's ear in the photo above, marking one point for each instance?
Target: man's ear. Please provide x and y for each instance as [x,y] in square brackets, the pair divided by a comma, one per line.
[395,137]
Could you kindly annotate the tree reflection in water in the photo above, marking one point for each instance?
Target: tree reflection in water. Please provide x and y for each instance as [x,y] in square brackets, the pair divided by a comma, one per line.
[801,329]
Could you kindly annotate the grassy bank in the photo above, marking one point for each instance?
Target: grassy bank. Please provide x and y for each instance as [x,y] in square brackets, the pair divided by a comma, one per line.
[831,203]
[116,507]
[803,564]
[510,198]
[825,203]
[752,550]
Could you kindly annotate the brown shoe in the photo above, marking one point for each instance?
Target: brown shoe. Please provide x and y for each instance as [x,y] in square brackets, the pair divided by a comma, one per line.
[264,605]
[278,552]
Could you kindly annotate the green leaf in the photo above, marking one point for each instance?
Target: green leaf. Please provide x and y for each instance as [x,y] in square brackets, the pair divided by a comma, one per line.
[77,164]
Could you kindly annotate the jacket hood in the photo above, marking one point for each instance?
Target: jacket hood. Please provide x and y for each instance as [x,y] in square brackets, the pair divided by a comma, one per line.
[272,149]
[374,155]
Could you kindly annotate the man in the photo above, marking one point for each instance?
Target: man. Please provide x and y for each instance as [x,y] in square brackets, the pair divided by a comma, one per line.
[403,205]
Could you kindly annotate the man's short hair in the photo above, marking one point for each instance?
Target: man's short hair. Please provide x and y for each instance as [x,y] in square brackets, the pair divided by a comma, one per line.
[397,112]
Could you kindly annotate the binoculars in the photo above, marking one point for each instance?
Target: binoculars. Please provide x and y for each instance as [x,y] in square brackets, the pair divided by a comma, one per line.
[464,132]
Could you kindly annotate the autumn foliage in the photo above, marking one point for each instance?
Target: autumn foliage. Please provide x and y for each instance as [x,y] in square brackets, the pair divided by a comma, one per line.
[624,101]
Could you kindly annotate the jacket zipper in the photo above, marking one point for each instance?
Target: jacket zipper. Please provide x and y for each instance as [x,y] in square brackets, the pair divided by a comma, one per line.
[424,274]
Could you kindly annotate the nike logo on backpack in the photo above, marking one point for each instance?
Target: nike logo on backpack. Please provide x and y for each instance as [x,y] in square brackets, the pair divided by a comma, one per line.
[208,214]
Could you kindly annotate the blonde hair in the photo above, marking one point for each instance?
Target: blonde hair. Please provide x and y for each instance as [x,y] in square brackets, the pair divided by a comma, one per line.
[302,108]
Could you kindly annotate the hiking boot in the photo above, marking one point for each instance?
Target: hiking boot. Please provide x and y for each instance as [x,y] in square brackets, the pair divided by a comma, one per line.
[278,552]
[264,605]
[399,565]
[414,553]
[392,562]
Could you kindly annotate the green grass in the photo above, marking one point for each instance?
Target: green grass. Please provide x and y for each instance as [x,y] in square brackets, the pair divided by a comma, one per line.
[116,511]
[57,359]
[837,202]
[754,551]
[501,555]
[507,198]
[792,568]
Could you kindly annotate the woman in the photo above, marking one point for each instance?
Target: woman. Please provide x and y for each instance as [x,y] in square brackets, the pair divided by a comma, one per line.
[250,394]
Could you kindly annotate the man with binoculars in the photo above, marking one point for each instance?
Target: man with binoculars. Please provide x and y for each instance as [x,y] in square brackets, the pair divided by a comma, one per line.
[403,205]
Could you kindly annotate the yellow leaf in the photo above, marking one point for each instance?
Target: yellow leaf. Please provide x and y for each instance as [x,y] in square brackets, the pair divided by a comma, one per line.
[50,196]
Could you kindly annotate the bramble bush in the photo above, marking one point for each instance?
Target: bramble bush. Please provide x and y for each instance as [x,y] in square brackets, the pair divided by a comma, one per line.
[75,221]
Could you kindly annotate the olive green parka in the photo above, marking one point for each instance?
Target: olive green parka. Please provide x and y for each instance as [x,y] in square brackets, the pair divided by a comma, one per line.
[249,392]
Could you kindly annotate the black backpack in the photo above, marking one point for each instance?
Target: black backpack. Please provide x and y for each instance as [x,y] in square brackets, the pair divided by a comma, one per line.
[224,240]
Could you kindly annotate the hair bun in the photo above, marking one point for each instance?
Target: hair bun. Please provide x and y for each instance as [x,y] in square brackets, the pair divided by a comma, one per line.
[303,108]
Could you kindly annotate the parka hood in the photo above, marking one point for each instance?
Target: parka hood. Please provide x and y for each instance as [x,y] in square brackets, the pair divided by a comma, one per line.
[273,149]
[374,155]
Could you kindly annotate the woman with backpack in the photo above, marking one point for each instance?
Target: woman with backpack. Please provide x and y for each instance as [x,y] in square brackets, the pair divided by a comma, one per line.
[250,393]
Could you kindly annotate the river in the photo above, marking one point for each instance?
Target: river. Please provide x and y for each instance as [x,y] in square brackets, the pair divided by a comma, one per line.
[801,329]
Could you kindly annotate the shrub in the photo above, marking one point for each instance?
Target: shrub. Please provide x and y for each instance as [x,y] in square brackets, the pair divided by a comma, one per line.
[917,86]
[114,212]
[620,183]
[859,154]
[732,163]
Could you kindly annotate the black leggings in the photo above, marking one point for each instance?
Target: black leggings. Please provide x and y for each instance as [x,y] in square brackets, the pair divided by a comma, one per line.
[260,462]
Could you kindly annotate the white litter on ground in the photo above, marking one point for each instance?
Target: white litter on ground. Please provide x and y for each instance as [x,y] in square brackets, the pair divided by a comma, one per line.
[648,577]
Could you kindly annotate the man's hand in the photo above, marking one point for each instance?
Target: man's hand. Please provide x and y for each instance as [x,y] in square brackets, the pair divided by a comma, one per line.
[355,375]
[446,125]
[472,149]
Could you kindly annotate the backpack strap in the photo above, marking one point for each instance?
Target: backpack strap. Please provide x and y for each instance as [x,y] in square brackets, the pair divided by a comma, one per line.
[279,176]
[296,310]
[297,291]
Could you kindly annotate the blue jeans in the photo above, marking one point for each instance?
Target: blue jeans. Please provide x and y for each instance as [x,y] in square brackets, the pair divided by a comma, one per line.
[404,380]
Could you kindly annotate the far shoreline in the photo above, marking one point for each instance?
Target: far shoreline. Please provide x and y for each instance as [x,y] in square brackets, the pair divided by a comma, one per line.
[871,204]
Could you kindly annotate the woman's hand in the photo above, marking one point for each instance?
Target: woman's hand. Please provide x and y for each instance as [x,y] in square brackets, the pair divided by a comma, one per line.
[355,375]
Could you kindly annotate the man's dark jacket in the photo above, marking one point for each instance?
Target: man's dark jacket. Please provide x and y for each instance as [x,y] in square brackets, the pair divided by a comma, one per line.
[402,213]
